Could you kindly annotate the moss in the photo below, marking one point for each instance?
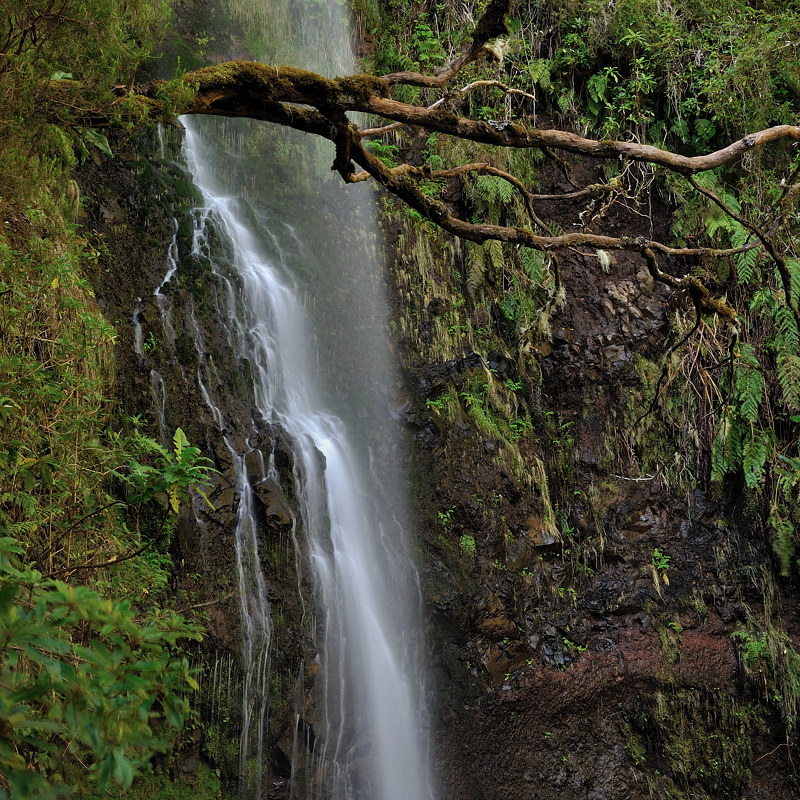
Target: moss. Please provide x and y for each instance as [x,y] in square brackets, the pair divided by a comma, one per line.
[669,634]
[701,741]
[161,786]
[270,82]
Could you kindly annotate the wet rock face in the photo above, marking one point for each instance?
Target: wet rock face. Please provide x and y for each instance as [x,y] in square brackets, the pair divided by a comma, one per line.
[586,654]
[153,194]
[557,694]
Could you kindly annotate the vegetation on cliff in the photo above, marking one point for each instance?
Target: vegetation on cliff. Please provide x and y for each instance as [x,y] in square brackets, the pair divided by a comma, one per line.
[637,93]
[93,680]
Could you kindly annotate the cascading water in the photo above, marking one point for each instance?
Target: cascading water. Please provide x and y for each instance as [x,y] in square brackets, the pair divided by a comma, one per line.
[330,401]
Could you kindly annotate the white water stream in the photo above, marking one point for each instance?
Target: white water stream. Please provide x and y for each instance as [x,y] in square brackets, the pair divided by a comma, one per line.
[368,728]
[368,734]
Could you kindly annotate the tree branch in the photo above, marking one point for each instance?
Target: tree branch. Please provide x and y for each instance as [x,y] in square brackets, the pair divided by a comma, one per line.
[317,105]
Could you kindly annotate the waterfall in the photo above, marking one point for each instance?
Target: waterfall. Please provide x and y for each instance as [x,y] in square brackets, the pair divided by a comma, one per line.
[306,313]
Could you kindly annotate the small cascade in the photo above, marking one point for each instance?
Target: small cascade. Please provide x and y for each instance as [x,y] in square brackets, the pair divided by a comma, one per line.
[136,322]
[162,301]
[206,371]
[254,602]
[158,393]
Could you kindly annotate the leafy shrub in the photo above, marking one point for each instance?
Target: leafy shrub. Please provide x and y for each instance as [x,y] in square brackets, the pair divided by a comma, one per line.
[82,682]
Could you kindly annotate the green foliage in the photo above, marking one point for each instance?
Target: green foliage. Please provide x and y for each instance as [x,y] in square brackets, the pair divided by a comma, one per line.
[683,75]
[426,44]
[677,70]
[173,473]
[475,265]
[388,153]
[83,678]
[58,452]
[467,544]
[162,786]
[704,740]
[90,685]
[92,699]
[57,61]
[772,663]
[783,513]
[753,649]
[445,517]
[54,354]
[660,560]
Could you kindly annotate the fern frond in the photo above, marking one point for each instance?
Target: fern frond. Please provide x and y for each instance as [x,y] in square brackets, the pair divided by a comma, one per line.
[763,300]
[24,530]
[25,501]
[539,70]
[710,181]
[564,101]
[745,262]
[534,263]
[488,188]
[783,536]
[746,265]
[755,453]
[749,384]
[596,87]
[789,339]
[475,264]
[717,223]
[505,190]
[726,451]
[789,379]
[793,266]
[494,250]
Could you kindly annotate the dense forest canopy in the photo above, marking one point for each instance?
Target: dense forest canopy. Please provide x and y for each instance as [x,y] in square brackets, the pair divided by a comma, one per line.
[691,103]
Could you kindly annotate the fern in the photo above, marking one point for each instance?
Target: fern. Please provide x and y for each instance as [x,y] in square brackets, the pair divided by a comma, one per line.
[793,266]
[710,181]
[24,501]
[763,300]
[749,384]
[564,101]
[783,536]
[789,379]
[726,451]
[489,193]
[534,263]
[596,87]
[745,262]
[495,189]
[719,222]
[494,250]
[488,189]
[475,264]
[539,70]
[505,190]
[756,452]
[789,340]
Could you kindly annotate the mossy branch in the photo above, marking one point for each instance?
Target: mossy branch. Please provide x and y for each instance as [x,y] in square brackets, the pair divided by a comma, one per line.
[314,104]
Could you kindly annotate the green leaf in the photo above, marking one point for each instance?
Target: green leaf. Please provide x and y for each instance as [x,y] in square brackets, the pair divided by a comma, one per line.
[180,441]
[7,595]
[98,140]
[123,768]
